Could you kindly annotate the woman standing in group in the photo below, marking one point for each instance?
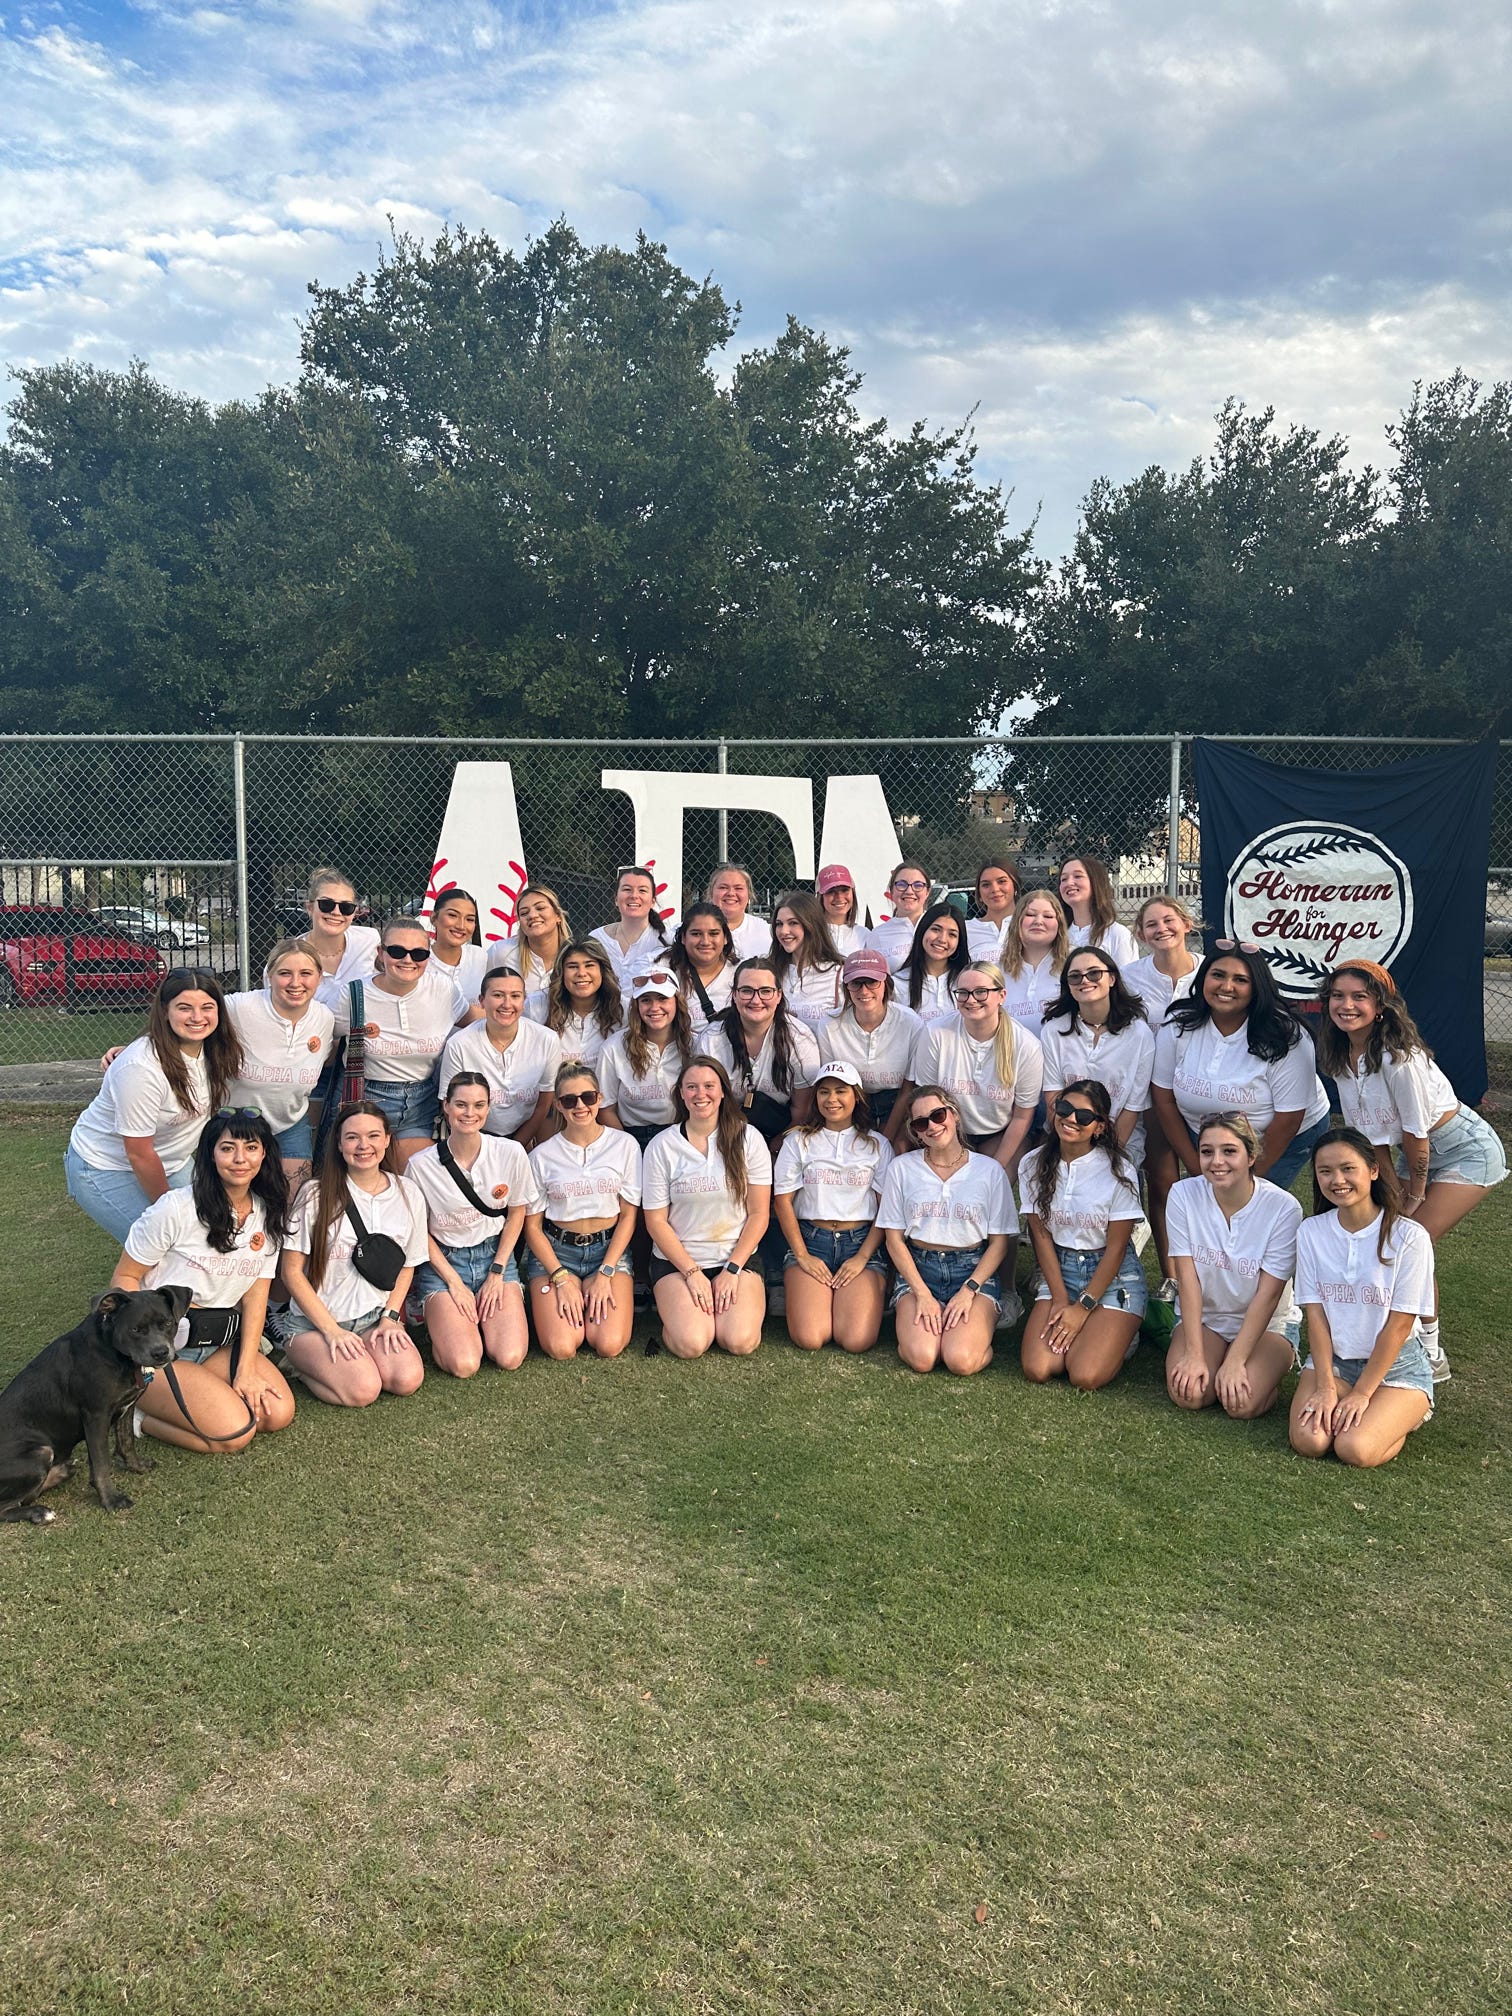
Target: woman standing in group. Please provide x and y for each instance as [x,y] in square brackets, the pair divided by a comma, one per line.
[730,891]
[1234,1045]
[1364,1279]
[873,1032]
[220,1239]
[639,937]
[456,949]
[582,1008]
[997,898]
[927,978]
[345,1324]
[588,1184]
[825,1190]
[287,1037]
[805,959]
[407,1021]
[948,1216]
[1393,1092]
[477,1189]
[640,1067]
[1087,893]
[707,1189]
[1097,1029]
[836,890]
[1167,971]
[768,1054]
[345,950]
[908,892]
[517,1058]
[136,1137]
[1035,946]
[1080,1198]
[1234,1249]
[541,935]
[703,959]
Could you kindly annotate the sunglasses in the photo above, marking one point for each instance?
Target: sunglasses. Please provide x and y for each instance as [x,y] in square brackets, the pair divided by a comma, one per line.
[645,979]
[935,1117]
[417,953]
[570,1100]
[330,906]
[1088,976]
[1079,1116]
[238,1113]
[1235,945]
[972,994]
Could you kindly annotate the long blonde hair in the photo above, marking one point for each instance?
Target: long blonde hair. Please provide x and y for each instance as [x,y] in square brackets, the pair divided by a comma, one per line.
[1013,942]
[1005,1041]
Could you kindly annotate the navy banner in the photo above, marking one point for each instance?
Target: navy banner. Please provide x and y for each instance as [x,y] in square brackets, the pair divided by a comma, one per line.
[1318,866]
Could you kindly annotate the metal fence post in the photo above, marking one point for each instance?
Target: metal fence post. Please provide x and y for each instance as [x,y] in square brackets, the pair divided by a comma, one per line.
[243,918]
[1173,837]
[724,817]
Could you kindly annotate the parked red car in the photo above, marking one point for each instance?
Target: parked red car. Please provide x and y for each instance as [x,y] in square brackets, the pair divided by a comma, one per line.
[56,958]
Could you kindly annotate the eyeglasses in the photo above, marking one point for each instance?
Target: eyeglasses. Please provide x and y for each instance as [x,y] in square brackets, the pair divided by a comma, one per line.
[570,1100]
[935,1117]
[974,994]
[417,953]
[1089,976]
[1079,1116]
[331,904]
[910,888]
[1235,945]
[238,1113]
[757,993]
[646,979]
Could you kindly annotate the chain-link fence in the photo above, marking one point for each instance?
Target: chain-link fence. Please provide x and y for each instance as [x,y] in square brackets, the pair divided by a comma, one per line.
[121,854]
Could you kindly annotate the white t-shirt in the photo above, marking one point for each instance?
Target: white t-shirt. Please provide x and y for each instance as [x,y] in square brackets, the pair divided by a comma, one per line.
[533,971]
[398,1209]
[171,1242]
[832,1173]
[1230,1255]
[1212,1073]
[946,1055]
[281,1060]
[501,1176]
[1120,1060]
[967,1208]
[405,1034]
[847,938]
[985,941]
[580,1036]
[881,1055]
[1145,979]
[573,1184]
[1118,941]
[719,990]
[753,937]
[692,1188]
[362,942]
[640,1101]
[134,1099]
[934,996]
[893,939]
[1339,1271]
[648,952]
[1088,1196]
[473,961]
[813,995]
[516,1076]
[1407,1094]
[1029,992]
[805,1056]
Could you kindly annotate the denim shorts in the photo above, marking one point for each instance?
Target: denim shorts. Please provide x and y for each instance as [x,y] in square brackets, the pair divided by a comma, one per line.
[579,1260]
[294,1322]
[112,1197]
[945,1273]
[834,1248]
[295,1143]
[1129,1292]
[471,1262]
[1411,1369]
[1466,1149]
[410,1108]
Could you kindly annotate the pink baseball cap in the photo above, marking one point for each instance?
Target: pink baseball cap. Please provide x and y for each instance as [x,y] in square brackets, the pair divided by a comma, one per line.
[834,877]
[864,966]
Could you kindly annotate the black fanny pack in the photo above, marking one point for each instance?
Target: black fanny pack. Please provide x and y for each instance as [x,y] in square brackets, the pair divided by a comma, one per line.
[377,1258]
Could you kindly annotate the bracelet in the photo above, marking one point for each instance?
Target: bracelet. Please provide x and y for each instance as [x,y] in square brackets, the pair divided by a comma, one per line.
[561,1274]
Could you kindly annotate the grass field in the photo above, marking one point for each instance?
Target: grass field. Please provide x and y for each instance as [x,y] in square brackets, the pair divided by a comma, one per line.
[785,1685]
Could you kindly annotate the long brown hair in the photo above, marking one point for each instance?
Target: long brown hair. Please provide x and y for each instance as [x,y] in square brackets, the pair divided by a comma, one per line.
[1385,1190]
[330,1180]
[608,1009]
[784,1075]
[729,1127]
[861,1118]
[1104,909]
[638,1043]
[818,948]
[1048,1167]
[1393,1032]
[221,1049]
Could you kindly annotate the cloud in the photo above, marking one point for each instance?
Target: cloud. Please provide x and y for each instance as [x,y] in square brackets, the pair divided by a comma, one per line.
[1092,222]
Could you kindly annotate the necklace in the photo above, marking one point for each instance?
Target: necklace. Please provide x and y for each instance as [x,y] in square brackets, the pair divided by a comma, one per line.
[944,1169]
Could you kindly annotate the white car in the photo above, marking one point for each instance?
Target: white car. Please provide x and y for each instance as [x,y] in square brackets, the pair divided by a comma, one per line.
[169,934]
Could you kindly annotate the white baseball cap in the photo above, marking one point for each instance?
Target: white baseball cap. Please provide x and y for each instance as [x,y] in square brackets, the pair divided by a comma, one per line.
[838,1068]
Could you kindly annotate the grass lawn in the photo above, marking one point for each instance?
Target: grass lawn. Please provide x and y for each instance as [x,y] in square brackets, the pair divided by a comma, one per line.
[44,1036]
[786,1685]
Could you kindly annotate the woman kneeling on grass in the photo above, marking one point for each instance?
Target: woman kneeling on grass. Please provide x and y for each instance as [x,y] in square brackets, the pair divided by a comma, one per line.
[1365,1281]
[707,1188]
[828,1179]
[220,1238]
[1234,1248]
[1079,1193]
[477,1188]
[948,1215]
[345,1328]
[587,1185]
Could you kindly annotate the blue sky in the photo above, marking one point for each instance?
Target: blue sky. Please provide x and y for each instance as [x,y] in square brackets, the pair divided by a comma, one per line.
[1090,221]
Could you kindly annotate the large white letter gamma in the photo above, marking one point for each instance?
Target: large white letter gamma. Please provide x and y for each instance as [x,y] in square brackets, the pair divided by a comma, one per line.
[859,833]
[661,797]
[480,848]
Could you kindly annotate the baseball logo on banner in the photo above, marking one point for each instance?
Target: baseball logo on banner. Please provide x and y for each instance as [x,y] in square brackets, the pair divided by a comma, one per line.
[1312,895]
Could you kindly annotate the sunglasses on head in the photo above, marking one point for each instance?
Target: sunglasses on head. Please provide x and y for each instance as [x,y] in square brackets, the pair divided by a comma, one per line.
[238,1113]
[572,1100]
[645,979]
[935,1117]
[332,904]
[1235,945]
[417,953]
[1079,1116]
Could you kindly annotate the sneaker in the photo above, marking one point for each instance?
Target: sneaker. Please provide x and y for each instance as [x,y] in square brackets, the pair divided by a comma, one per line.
[1009,1311]
[1166,1292]
[1438,1364]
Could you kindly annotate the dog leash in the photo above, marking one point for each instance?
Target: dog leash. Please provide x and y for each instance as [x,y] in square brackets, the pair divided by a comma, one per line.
[182,1404]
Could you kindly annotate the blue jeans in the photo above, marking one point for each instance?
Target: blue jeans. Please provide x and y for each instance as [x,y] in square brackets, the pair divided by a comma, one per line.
[1290,1166]
[411,1107]
[1128,1292]
[1411,1369]
[471,1262]
[945,1273]
[579,1260]
[295,1143]
[112,1197]
[833,1249]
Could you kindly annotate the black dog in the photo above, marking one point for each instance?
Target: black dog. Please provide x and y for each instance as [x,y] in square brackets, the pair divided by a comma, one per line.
[79,1388]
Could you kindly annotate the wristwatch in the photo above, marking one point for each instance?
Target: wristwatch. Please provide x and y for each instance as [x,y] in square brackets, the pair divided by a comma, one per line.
[976,1286]
[392,1316]
[733,1267]
[495,1268]
[607,1272]
[1085,1302]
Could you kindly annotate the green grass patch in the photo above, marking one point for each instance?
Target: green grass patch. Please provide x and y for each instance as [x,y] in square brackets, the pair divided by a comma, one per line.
[797,1684]
[47,1036]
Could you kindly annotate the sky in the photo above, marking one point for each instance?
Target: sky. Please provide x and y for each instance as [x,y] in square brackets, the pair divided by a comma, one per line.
[1088,222]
